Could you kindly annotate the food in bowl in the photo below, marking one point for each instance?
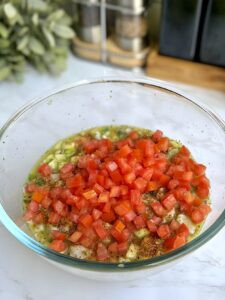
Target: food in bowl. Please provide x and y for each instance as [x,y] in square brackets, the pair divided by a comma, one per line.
[116,194]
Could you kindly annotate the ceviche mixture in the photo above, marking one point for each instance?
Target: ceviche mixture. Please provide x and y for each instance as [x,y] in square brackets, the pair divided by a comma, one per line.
[116,194]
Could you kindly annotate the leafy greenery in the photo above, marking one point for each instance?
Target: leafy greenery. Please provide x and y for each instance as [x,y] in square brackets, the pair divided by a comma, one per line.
[36,32]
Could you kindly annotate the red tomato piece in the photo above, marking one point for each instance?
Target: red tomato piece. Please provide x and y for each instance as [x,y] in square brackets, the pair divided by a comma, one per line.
[39,218]
[54,218]
[113,248]
[28,215]
[172,184]
[151,226]
[58,206]
[107,207]
[57,235]
[102,253]
[100,230]
[140,184]
[129,217]
[115,191]
[175,242]
[122,247]
[90,146]
[133,135]
[123,190]
[108,217]
[75,181]
[188,197]
[153,186]
[116,177]
[30,187]
[96,214]
[157,135]
[174,225]
[124,151]
[158,209]
[89,194]
[205,209]
[123,208]
[37,196]
[129,177]
[139,222]
[103,197]
[202,192]
[163,144]
[140,208]
[163,231]
[183,229]
[33,206]
[147,173]
[199,169]
[86,220]
[124,166]
[67,168]
[169,201]
[164,179]
[45,170]
[98,188]
[86,242]
[111,166]
[197,216]
[57,245]
[119,225]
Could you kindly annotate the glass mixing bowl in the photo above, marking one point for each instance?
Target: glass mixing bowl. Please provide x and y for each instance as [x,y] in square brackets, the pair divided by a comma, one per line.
[137,102]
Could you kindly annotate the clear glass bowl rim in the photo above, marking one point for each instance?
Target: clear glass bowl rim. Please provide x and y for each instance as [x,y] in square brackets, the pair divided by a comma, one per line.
[101,266]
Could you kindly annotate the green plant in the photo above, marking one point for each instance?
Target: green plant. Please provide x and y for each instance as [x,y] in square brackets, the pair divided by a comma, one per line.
[33,31]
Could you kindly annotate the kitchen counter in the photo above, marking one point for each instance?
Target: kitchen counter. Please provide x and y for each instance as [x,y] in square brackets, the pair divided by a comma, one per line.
[26,276]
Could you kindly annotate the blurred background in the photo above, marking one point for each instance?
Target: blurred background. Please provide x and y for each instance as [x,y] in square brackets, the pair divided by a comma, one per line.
[45,44]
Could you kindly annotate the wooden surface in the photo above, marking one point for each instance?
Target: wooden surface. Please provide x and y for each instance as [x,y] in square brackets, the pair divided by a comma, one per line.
[169,68]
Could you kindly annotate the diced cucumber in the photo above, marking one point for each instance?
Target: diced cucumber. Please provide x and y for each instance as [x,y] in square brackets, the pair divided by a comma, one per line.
[175,144]
[53,164]
[58,145]
[172,152]
[168,217]
[141,233]
[132,252]
[49,158]
[60,157]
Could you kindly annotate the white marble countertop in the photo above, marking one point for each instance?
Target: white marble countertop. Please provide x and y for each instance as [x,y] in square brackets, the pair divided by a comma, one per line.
[24,275]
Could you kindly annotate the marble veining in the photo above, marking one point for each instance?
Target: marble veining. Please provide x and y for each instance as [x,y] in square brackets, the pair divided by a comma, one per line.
[25,276]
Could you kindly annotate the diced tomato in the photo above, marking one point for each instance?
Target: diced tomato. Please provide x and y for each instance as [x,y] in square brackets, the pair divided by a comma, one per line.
[156,220]
[146,146]
[199,169]
[123,190]
[57,245]
[115,191]
[153,186]
[164,179]
[86,220]
[119,225]
[109,217]
[140,184]
[139,222]
[163,144]
[172,184]
[122,247]
[102,252]
[124,151]
[45,170]
[116,177]
[54,218]
[147,173]
[123,208]
[183,229]
[130,216]
[151,226]
[197,216]
[179,193]
[129,177]
[98,188]
[37,196]
[111,166]
[100,230]
[174,225]
[89,194]
[74,217]
[96,214]
[163,231]
[205,209]
[124,166]
[30,187]
[67,168]
[158,209]
[157,135]
[58,206]
[90,146]
[92,165]
[75,236]
[107,207]
[188,197]
[39,218]
[184,150]
[140,208]
[175,242]
[33,206]
[113,248]
[133,135]
[86,242]
[169,201]
[58,235]
[103,197]
[28,215]
[75,181]
[108,183]
[202,192]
